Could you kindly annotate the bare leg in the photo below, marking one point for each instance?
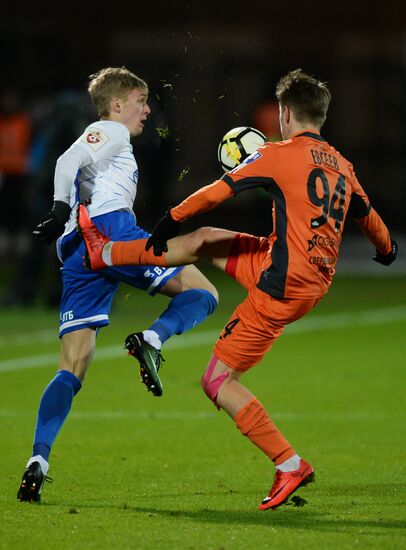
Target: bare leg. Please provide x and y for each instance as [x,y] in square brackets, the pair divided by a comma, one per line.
[208,243]
[77,351]
[190,277]
[222,385]
[232,395]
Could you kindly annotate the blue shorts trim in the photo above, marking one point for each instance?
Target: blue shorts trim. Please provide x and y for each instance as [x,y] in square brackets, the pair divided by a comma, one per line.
[87,295]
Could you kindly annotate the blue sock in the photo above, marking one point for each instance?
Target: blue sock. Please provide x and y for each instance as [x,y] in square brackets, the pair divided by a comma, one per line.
[53,409]
[185,311]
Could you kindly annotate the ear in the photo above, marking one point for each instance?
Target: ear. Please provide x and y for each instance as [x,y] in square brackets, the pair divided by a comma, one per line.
[286,114]
[115,105]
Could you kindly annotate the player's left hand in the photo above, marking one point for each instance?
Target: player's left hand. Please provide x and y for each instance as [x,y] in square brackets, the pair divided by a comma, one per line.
[387,259]
[53,223]
[165,229]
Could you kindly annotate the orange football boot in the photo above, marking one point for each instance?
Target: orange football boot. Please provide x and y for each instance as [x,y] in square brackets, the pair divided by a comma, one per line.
[94,240]
[286,483]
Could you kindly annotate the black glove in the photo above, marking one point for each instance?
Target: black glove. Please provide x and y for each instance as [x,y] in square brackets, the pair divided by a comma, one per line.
[165,229]
[387,259]
[52,225]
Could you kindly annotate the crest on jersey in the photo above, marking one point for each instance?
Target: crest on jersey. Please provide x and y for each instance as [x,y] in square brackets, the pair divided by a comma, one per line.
[95,138]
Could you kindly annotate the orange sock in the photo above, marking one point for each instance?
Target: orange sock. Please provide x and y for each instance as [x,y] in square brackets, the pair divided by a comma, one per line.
[134,253]
[253,421]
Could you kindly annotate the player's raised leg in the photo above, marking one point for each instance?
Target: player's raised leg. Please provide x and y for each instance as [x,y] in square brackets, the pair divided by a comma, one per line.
[193,298]
[207,243]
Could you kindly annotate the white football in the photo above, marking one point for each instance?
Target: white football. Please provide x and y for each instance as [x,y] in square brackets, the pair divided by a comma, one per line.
[237,145]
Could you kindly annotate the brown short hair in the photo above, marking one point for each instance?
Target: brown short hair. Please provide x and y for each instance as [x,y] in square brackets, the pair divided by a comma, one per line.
[112,82]
[308,98]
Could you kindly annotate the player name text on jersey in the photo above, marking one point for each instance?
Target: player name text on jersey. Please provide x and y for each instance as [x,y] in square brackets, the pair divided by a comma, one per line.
[321,157]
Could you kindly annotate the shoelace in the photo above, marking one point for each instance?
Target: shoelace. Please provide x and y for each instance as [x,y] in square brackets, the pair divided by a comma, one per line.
[158,357]
[159,360]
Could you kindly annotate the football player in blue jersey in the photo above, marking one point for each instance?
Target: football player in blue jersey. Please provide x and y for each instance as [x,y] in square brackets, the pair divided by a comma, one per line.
[100,169]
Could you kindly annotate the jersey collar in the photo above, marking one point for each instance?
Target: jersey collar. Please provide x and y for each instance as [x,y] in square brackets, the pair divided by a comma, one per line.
[313,135]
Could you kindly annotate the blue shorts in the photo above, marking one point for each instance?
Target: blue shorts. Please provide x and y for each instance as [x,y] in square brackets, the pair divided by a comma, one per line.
[87,295]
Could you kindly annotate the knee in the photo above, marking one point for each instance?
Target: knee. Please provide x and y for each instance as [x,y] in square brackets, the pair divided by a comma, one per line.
[211,386]
[215,295]
[206,286]
[201,239]
[201,236]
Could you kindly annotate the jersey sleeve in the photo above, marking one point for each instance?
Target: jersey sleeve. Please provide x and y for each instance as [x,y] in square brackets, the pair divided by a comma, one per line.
[66,170]
[246,176]
[98,141]
[257,170]
[103,139]
[203,200]
[368,219]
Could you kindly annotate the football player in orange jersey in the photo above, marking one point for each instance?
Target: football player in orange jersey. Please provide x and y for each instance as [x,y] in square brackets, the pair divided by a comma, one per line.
[313,187]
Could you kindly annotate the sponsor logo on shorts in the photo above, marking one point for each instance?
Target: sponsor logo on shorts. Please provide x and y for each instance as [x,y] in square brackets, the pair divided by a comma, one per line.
[155,272]
[66,316]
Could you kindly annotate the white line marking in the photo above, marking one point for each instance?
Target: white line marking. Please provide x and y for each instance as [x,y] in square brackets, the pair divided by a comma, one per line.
[104,352]
[118,415]
[40,336]
[371,317]
[206,415]
[366,318]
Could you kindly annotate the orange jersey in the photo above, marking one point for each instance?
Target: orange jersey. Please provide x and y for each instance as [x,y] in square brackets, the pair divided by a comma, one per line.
[313,187]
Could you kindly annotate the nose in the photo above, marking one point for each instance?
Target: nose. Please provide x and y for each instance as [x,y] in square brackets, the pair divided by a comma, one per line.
[147,110]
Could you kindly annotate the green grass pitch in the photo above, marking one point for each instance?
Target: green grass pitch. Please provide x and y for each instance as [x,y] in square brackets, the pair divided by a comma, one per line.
[134,471]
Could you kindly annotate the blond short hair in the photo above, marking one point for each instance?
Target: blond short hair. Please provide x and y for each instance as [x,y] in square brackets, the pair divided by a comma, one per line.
[112,82]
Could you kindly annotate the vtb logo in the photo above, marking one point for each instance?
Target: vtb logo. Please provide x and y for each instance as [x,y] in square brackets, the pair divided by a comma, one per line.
[318,240]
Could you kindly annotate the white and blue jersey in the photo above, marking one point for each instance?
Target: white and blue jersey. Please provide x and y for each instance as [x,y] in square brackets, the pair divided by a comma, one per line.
[99,166]
[102,166]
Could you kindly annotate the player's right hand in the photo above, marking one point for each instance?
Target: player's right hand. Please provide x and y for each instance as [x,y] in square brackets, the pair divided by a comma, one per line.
[165,229]
[53,223]
[387,259]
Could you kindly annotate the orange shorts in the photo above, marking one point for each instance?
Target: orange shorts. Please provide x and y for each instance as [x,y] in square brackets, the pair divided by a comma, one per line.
[260,319]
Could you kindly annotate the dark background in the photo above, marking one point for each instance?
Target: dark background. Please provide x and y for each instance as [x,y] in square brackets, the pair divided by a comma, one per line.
[209,66]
